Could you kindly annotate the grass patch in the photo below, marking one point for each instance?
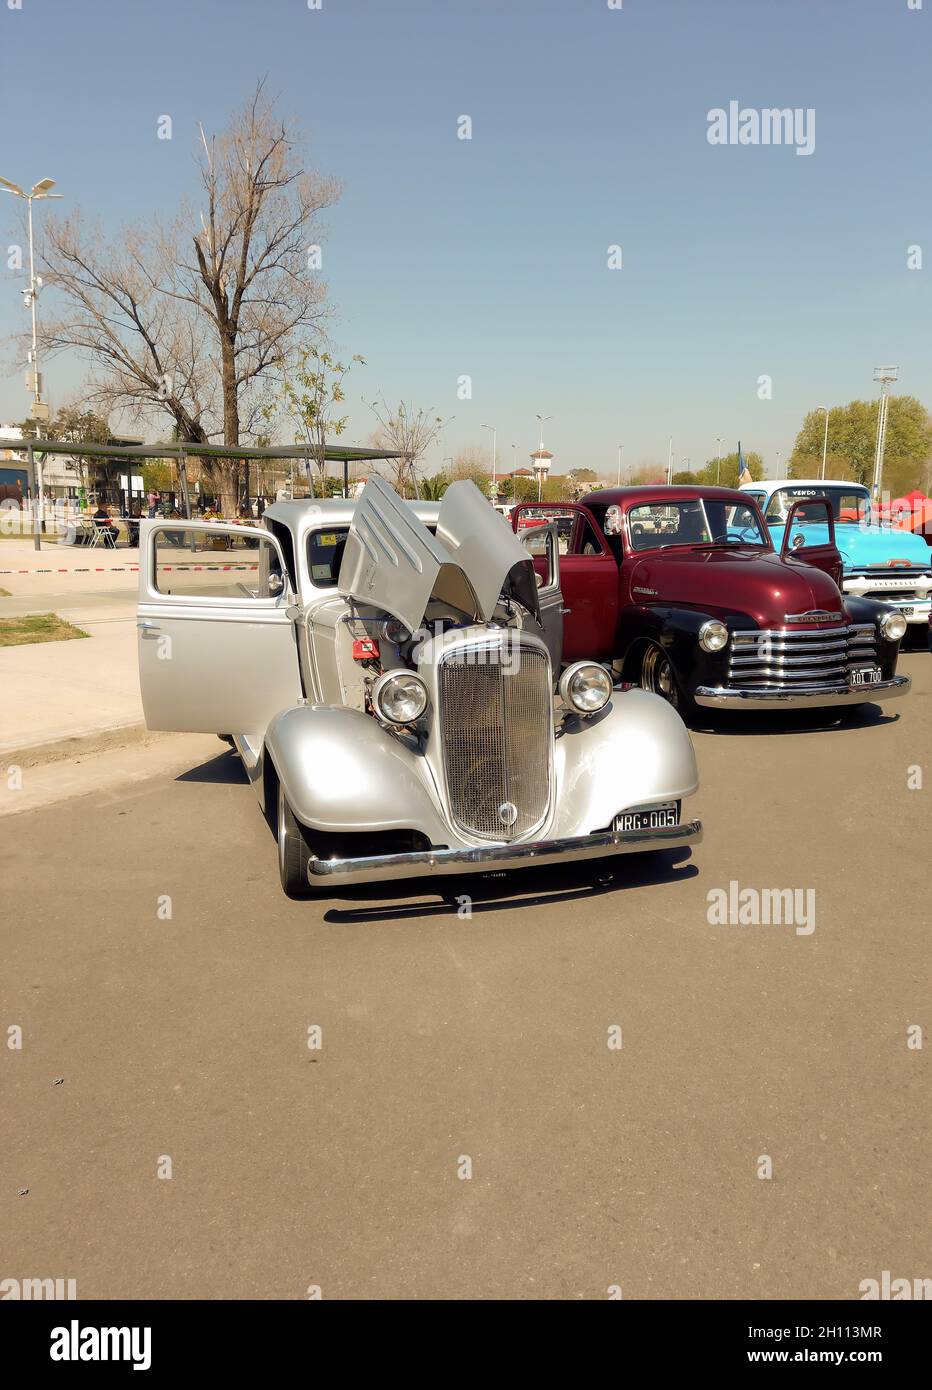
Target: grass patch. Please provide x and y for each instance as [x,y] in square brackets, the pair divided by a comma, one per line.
[37,627]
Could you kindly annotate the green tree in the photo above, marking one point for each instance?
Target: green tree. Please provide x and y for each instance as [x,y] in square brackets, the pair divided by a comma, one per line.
[432,489]
[310,393]
[852,443]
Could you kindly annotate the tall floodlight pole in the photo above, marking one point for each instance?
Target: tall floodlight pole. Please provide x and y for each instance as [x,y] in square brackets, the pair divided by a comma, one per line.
[824,440]
[493,489]
[39,408]
[718,461]
[620,449]
[884,375]
[670,462]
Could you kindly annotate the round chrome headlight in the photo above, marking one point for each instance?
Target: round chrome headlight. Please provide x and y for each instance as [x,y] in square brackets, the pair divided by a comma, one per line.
[713,636]
[893,626]
[586,687]
[400,697]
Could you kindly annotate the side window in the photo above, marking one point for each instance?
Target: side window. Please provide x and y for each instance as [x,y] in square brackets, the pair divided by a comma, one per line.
[325,555]
[584,539]
[540,545]
[197,564]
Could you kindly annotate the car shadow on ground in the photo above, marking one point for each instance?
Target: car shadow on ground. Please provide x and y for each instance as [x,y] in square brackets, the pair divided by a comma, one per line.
[795,721]
[223,770]
[472,894]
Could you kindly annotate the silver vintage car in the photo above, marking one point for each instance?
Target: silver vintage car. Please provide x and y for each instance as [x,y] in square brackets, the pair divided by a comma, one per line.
[390,674]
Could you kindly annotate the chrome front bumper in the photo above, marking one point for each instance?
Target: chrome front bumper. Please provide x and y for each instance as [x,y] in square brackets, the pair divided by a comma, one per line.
[816,697]
[429,863]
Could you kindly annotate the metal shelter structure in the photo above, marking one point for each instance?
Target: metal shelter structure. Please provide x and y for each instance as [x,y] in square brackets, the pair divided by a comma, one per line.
[180,452]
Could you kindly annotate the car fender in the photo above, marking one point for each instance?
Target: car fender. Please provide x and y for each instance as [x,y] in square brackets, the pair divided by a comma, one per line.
[341,771]
[636,751]
[676,630]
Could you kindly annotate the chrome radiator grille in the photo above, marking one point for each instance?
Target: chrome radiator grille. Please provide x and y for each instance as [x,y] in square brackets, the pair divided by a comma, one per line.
[782,659]
[497,729]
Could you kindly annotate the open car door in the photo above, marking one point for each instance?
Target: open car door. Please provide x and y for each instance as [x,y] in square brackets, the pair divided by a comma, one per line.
[216,642]
[588,578]
[542,543]
[800,543]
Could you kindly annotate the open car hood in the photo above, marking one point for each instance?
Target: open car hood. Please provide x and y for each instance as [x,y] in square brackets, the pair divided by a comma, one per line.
[392,561]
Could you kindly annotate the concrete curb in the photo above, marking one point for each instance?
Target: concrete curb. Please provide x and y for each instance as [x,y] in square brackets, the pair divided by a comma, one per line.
[76,746]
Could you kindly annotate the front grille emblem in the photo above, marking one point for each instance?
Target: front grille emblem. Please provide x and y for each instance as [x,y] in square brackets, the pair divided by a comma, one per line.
[815,615]
[508,813]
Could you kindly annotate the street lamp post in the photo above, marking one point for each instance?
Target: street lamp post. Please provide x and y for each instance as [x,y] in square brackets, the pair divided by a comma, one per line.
[884,375]
[494,485]
[39,408]
[718,461]
[824,440]
[620,448]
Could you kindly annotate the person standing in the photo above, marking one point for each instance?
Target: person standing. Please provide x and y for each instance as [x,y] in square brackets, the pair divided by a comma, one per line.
[153,500]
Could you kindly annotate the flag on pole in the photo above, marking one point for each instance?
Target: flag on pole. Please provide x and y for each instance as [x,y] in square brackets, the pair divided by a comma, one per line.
[744,473]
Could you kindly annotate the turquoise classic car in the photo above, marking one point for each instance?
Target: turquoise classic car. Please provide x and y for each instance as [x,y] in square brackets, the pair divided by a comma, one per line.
[879,562]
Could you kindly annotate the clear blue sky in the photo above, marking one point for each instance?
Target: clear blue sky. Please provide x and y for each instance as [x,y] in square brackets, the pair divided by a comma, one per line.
[488,257]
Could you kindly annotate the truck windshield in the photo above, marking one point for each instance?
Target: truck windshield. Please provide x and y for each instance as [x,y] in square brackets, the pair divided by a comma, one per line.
[849,504]
[696,521]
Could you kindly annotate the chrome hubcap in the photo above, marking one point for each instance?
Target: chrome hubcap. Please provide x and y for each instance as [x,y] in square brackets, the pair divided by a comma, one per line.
[657,675]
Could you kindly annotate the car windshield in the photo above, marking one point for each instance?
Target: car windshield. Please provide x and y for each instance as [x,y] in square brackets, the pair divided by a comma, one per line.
[697,521]
[849,504]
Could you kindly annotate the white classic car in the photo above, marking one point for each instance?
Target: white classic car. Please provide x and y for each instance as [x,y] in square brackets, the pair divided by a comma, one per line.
[388,672]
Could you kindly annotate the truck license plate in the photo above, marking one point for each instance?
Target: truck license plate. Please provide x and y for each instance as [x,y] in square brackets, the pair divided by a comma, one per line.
[867,675]
[651,818]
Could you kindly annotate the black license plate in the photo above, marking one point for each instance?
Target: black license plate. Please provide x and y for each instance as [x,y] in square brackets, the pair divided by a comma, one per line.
[867,675]
[652,818]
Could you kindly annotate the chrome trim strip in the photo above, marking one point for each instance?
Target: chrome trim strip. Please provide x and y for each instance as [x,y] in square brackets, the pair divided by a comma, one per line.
[320,872]
[811,697]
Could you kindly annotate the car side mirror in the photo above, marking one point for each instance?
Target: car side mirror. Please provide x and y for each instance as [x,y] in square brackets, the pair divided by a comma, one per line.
[799,541]
[276,585]
[612,525]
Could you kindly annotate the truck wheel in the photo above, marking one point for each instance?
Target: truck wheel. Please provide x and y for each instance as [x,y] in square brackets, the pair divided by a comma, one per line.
[659,677]
[293,851]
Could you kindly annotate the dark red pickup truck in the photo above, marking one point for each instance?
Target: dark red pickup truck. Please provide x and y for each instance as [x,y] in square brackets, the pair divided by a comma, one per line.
[680,590]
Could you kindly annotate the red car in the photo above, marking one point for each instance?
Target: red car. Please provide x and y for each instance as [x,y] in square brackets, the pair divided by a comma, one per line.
[680,590]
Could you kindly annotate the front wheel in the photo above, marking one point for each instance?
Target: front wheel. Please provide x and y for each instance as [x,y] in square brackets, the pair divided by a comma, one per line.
[659,677]
[293,851]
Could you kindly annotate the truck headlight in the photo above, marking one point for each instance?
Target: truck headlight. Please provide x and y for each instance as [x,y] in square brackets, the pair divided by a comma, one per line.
[586,687]
[400,697]
[893,626]
[713,636]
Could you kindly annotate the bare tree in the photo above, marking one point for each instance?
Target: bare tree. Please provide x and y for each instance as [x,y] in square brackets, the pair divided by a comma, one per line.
[409,432]
[146,351]
[195,320]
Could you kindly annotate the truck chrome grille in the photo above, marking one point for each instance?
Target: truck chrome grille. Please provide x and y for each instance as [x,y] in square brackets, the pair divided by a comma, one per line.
[497,732]
[781,659]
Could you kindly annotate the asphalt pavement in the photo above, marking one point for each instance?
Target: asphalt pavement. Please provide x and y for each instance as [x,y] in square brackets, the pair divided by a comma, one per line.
[465,1129]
